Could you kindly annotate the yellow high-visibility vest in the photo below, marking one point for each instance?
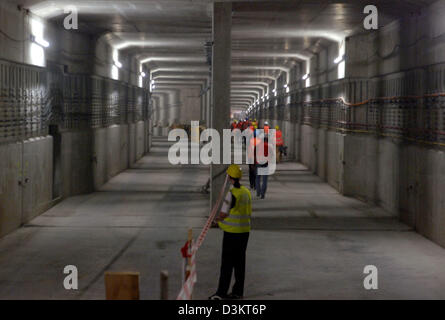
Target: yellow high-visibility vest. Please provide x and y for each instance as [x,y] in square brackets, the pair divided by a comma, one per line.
[238,220]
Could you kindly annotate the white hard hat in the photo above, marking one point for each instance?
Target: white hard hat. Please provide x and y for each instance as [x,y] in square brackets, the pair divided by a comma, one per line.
[266,123]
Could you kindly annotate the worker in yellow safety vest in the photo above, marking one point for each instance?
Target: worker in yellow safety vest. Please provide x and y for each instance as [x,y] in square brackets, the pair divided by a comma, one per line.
[234,220]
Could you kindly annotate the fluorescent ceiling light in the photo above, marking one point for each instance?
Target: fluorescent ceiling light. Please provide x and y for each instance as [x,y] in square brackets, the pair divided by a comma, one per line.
[285,85]
[339,59]
[41,42]
[118,64]
[306,76]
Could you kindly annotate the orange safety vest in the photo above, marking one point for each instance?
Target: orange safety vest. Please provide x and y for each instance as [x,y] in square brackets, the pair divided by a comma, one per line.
[279,138]
[266,129]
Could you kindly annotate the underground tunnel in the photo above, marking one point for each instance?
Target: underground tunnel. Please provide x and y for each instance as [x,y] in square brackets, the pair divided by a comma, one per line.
[345,99]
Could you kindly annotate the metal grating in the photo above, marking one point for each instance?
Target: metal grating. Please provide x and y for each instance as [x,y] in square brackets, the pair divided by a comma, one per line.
[31,98]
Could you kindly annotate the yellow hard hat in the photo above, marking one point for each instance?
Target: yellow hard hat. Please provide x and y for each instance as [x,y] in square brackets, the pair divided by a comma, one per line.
[277,128]
[234,171]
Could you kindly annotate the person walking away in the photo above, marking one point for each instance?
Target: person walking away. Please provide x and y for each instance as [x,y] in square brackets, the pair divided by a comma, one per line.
[234,220]
[266,127]
[279,143]
[261,180]
[252,160]
[245,124]
[252,128]
[233,125]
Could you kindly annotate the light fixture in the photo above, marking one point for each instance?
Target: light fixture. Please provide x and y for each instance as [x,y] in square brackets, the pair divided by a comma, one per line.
[339,59]
[41,42]
[306,76]
[117,64]
[285,85]
[143,74]
[152,82]
[274,90]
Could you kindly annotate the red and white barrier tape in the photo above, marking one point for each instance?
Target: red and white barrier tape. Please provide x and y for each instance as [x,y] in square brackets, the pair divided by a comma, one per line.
[187,288]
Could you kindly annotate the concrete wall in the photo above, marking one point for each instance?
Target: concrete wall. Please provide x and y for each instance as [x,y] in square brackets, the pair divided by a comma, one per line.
[76,160]
[10,190]
[176,106]
[88,157]
[422,182]
[12,23]
[190,105]
[26,181]
[405,177]
[38,175]
[115,149]
[78,52]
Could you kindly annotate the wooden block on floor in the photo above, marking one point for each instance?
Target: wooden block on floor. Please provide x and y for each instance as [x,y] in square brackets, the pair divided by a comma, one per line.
[122,285]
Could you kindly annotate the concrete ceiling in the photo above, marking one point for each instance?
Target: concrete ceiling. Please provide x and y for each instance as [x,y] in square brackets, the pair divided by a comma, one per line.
[268,37]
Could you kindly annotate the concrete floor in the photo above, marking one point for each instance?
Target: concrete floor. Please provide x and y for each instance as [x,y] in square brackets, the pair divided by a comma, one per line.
[308,242]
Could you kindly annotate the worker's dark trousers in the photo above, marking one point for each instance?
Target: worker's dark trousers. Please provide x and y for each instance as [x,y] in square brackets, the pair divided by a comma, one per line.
[233,257]
[252,175]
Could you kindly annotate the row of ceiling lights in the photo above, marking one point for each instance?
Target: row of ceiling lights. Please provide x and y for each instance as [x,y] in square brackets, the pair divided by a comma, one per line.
[337,60]
[118,64]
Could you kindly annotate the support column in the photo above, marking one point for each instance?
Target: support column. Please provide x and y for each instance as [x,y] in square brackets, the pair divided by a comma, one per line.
[208,106]
[220,109]
[203,105]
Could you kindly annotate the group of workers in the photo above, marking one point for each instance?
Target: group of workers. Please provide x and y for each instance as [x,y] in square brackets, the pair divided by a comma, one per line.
[258,183]
[236,210]
[253,125]
[241,124]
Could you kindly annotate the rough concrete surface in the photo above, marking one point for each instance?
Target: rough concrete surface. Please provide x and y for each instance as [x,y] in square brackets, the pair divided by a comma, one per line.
[307,242]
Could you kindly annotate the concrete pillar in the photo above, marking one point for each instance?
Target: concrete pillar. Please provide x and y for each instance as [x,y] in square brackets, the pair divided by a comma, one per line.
[220,111]
[203,105]
[209,107]
[208,103]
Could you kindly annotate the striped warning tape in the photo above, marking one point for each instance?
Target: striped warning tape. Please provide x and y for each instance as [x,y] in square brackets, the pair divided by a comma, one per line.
[187,288]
